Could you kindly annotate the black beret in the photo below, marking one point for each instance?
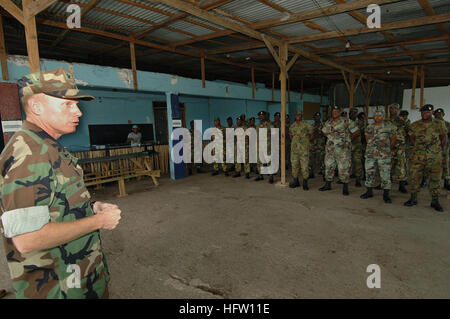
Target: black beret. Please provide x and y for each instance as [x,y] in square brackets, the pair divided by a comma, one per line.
[317,113]
[277,113]
[252,119]
[427,107]
[229,118]
[404,112]
[439,110]
[261,113]
[335,107]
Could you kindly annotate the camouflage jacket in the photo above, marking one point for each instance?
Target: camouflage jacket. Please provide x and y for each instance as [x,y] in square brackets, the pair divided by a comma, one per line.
[301,133]
[41,183]
[426,135]
[268,126]
[319,139]
[379,140]
[339,133]
[401,126]
[447,127]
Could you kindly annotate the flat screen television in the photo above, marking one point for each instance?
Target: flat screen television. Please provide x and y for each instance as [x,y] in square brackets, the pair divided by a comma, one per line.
[116,134]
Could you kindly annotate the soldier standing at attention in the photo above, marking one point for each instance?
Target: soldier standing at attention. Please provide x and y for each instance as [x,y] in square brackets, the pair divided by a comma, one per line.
[192,165]
[50,228]
[287,143]
[339,133]
[238,166]
[399,152]
[357,150]
[439,115]
[251,124]
[223,164]
[301,133]
[428,137]
[317,148]
[263,124]
[381,138]
[277,124]
[362,124]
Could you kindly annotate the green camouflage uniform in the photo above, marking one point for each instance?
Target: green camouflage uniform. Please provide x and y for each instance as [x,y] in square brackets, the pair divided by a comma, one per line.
[427,155]
[338,148]
[445,153]
[192,165]
[357,154]
[238,166]
[224,164]
[287,145]
[37,174]
[379,154]
[398,169]
[317,155]
[268,126]
[300,148]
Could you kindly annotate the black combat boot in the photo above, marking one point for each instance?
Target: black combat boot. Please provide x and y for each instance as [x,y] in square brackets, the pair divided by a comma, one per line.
[305,184]
[311,174]
[259,178]
[237,174]
[190,171]
[247,175]
[271,179]
[424,183]
[386,197]
[378,187]
[412,201]
[199,170]
[226,173]
[446,184]
[401,187]
[367,194]
[345,189]
[326,187]
[435,203]
[358,182]
[215,173]
[295,183]
[352,176]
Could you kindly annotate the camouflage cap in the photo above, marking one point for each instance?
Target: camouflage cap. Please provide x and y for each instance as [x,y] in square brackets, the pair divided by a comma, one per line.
[379,113]
[395,105]
[427,107]
[299,112]
[58,83]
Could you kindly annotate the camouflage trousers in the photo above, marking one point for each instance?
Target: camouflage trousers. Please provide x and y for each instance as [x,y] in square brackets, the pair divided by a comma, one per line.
[445,163]
[223,165]
[300,161]
[316,159]
[428,165]
[384,169]
[339,157]
[398,169]
[192,166]
[287,151]
[357,164]
[238,166]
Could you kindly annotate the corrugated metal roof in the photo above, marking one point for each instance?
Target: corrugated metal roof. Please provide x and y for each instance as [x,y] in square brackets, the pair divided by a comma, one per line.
[338,22]
[251,10]
[295,29]
[428,45]
[191,28]
[169,36]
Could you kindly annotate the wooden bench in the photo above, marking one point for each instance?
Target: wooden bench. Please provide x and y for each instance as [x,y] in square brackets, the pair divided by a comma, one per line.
[109,175]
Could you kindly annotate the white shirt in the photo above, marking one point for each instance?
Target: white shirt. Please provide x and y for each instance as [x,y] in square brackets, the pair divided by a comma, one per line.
[136,138]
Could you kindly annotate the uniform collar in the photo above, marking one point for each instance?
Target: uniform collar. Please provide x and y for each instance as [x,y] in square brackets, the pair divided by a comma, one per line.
[41,133]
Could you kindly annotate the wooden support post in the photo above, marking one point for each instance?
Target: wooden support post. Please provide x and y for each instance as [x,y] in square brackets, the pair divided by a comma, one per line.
[253,82]
[352,90]
[289,89]
[203,72]
[413,91]
[4,64]
[122,189]
[301,91]
[133,65]
[31,37]
[273,87]
[422,85]
[283,75]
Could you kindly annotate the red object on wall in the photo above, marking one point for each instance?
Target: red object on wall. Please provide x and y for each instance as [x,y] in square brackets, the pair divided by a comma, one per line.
[9,105]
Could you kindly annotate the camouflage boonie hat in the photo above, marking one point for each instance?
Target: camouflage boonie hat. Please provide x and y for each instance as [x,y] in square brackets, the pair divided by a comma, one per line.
[58,83]
[379,113]
[395,105]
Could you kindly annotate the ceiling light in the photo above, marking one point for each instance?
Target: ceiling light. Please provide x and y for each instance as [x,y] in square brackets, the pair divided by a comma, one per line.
[247,58]
[347,45]
[388,72]
[285,16]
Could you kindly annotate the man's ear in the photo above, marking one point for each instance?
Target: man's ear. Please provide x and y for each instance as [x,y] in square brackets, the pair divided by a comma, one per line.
[35,105]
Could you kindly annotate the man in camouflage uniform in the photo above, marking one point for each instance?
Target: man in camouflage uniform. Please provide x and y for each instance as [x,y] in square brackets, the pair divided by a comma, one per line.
[399,152]
[277,124]
[50,228]
[439,115]
[362,124]
[339,133]
[357,150]
[404,115]
[252,124]
[216,163]
[263,124]
[301,133]
[192,165]
[428,137]
[237,165]
[380,142]
[317,154]
[287,144]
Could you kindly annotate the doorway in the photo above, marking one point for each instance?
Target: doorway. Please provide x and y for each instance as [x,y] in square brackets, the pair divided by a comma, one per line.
[161,125]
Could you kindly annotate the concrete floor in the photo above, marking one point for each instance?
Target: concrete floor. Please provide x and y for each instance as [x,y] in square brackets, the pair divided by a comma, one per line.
[222,237]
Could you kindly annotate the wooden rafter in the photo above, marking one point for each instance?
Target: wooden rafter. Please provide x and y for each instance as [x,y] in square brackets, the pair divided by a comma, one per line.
[13,9]
[430,12]
[3,62]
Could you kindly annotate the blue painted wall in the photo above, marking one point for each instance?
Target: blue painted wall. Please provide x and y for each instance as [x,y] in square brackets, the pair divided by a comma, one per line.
[219,98]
